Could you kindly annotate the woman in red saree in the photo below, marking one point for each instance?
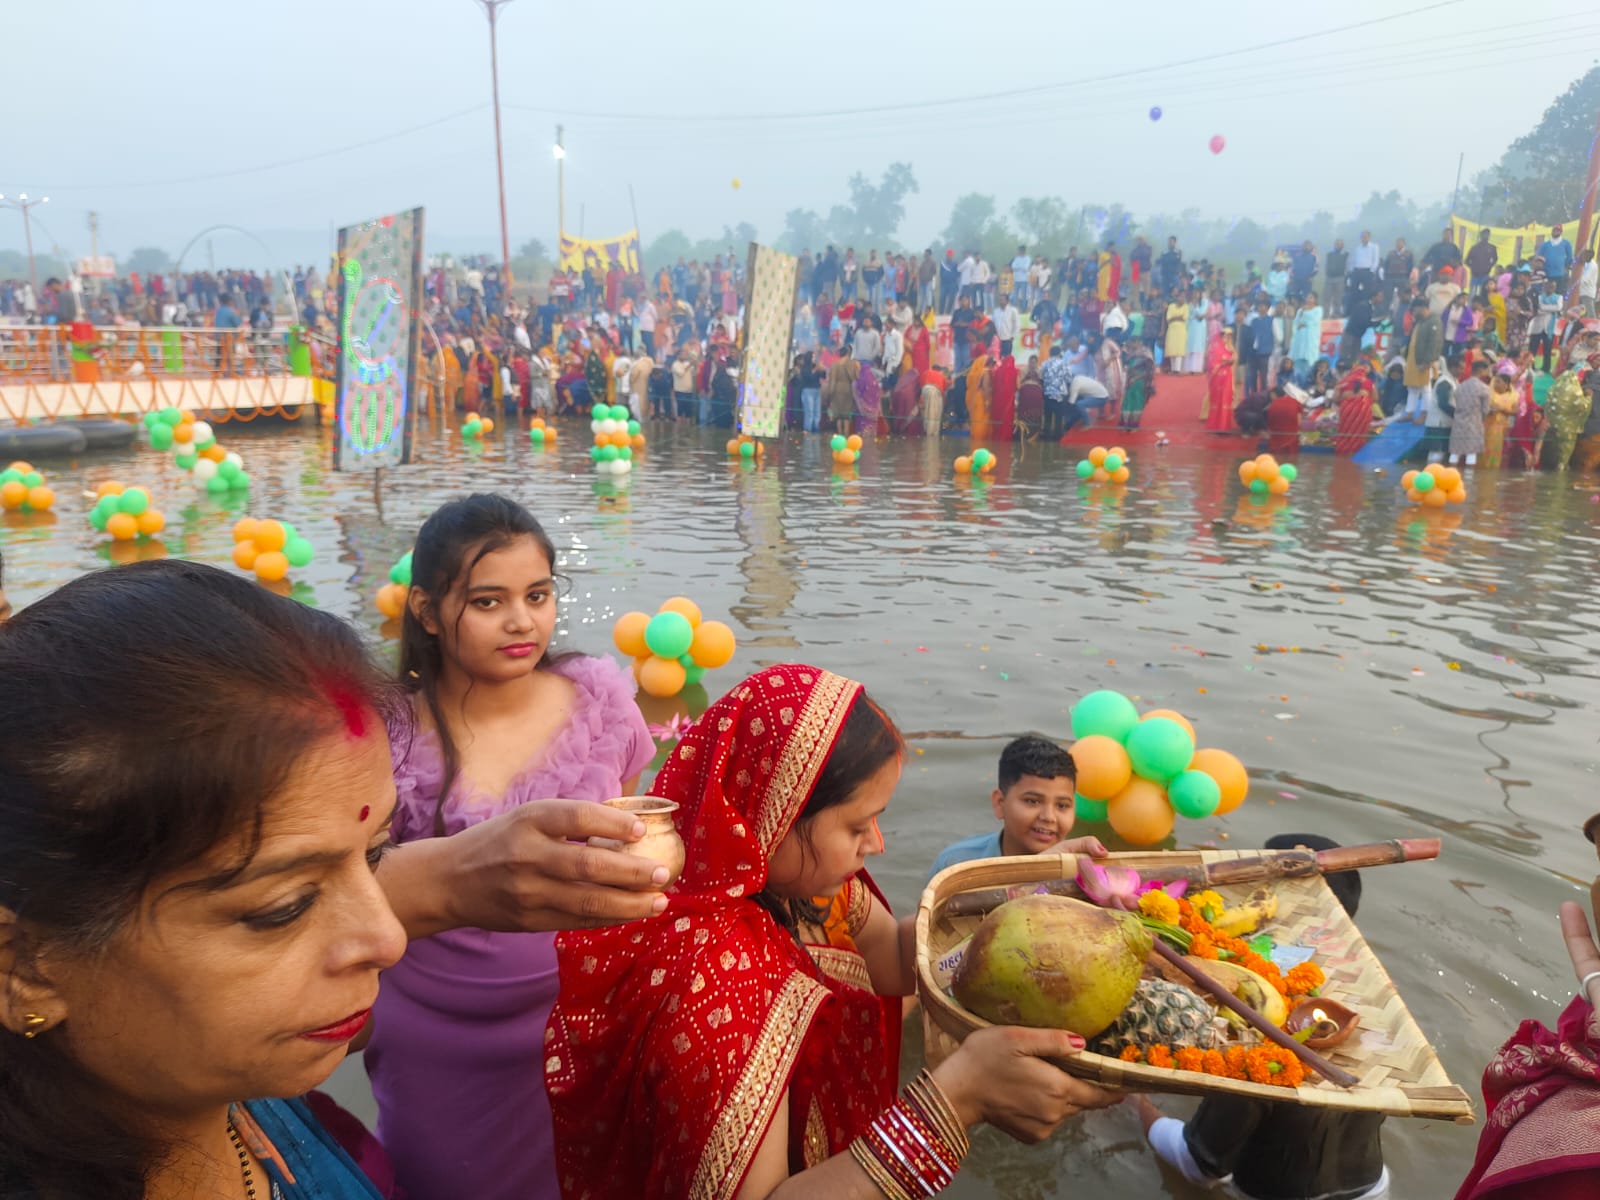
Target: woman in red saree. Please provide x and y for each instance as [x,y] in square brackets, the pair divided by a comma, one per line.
[1003,404]
[1541,1140]
[742,1044]
[1219,382]
[905,404]
[1356,394]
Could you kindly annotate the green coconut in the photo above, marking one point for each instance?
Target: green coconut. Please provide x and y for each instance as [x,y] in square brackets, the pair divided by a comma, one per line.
[1053,963]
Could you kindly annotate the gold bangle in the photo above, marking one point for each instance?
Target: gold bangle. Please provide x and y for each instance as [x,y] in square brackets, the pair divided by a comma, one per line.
[880,1177]
[941,1111]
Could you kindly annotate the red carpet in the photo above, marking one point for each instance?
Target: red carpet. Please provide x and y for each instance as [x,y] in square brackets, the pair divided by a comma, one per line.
[1173,413]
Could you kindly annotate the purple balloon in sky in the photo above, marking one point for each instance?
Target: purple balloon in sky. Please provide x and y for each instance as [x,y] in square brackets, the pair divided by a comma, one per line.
[1155,113]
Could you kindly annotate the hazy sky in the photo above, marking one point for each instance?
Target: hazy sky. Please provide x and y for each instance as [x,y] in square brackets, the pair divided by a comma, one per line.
[175,115]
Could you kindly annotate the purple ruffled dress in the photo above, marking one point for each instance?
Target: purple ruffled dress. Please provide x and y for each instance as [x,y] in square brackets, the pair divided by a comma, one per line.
[456,1058]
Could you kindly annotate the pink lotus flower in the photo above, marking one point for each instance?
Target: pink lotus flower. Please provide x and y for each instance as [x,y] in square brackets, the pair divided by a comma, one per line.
[674,729]
[1121,887]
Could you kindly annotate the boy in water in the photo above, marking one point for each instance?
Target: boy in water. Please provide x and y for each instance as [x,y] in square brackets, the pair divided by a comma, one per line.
[1034,805]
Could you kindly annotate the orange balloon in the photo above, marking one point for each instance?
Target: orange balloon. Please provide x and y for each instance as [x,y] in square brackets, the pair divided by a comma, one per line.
[41,498]
[988,465]
[1141,813]
[963,465]
[1101,475]
[1247,471]
[1265,460]
[684,607]
[21,467]
[662,677]
[270,536]
[1097,456]
[12,493]
[1409,479]
[1413,495]
[1435,498]
[1229,773]
[1458,495]
[1119,452]
[538,423]
[1104,768]
[733,445]
[183,434]
[1279,486]
[713,645]
[214,452]
[853,441]
[1266,470]
[488,425]
[638,666]
[1435,469]
[1171,715]
[1120,475]
[151,522]
[627,634]
[244,529]
[244,555]
[1450,479]
[109,488]
[271,565]
[637,443]
[392,600]
[122,527]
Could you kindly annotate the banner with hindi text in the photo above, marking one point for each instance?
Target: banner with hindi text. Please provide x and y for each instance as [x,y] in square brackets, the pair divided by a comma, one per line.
[598,255]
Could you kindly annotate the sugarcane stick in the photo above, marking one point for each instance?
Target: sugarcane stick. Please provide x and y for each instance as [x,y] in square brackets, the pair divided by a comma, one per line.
[1256,868]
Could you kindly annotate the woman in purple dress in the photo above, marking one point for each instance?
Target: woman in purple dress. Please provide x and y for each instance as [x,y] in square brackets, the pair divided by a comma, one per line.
[456,1056]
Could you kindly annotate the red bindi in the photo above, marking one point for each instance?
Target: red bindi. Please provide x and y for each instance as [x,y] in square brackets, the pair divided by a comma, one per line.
[366,811]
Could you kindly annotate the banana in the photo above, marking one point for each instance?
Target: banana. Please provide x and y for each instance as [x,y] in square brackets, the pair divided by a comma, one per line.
[1259,908]
[1247,986]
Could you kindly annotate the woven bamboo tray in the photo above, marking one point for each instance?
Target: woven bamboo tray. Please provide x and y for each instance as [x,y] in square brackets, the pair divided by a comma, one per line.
[1399,1072]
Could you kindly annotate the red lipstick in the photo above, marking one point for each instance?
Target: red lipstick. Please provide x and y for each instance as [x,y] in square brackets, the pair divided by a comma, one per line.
[341,1031]
[518,649]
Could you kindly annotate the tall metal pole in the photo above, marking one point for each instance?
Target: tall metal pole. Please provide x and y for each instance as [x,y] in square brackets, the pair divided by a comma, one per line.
[33,271]
[1586,217]
[1460,162]
[561,193]
[492,7]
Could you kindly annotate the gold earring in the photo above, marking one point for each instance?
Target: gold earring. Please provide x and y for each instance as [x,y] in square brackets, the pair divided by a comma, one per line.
[34,1024]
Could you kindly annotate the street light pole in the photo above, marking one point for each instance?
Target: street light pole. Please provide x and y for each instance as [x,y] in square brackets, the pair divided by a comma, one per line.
[24,204]
[561,193]
[492,7]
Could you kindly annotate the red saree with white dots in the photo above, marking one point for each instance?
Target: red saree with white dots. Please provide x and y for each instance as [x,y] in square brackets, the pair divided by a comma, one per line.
[675,1039]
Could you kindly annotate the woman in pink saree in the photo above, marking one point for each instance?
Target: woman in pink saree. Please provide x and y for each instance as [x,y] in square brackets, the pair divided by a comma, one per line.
[1219,385]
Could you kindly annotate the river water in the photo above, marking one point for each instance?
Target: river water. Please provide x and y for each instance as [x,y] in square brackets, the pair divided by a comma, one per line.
[1382,673]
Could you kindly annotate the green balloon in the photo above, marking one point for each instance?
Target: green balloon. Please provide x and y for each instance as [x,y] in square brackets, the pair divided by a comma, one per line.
[228,470]
[1289,471]
[1113,462]
[536,435]
[149,419]
[105,506]
[171,416]
[33,479]
[625,453]
[98,519]
[298,551]
[693,674]
[216,485]
[1258,486]
[401,571]
[608,454]
[747,449]
[619,412]
[161,437]
[1109,713]
[240,482]
[598,412]
[133,502]
[185,459]
[1089,810]
[1194,794]
[633,428]
[1085,468]
[839,441]
[1423,482]
[1160,749]
[10,475]
[669,635]
[686,661]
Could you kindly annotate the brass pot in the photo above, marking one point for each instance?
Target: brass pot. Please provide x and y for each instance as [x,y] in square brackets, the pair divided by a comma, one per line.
[660,841]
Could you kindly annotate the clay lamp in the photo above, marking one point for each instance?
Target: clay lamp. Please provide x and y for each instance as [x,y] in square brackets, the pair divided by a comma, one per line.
[1321,1023]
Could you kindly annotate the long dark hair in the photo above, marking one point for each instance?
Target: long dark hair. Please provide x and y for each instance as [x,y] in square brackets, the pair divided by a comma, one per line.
[450,543]
[867,740]
[148,712]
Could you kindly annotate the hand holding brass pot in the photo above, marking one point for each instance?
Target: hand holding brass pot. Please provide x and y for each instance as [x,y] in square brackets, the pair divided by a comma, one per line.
[660,841]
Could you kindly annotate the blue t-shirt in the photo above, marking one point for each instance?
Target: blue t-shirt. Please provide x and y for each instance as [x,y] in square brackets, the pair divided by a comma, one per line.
[982,845]
[1557,256]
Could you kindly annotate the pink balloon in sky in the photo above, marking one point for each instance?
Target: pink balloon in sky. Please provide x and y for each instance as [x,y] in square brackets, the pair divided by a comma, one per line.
[1217,143]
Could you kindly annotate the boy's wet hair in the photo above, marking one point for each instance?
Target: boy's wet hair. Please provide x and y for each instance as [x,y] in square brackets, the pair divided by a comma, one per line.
[1036,756]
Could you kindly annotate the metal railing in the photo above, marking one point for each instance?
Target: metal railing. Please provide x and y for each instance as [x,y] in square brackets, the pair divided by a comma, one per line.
[43,353]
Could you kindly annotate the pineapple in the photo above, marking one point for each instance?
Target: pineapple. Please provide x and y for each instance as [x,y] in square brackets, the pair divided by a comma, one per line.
[1160,1013]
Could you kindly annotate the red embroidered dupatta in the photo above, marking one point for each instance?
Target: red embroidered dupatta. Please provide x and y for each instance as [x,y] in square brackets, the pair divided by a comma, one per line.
[674,1040]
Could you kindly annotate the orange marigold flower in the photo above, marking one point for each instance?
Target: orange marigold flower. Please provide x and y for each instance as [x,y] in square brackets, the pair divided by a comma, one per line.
[1185,907]
[1189,1059]
[1159,1056]
[1202,947]
[1213,1063]
[1235,1057]
[1131,1054]
[1305,979]
[1274,1065]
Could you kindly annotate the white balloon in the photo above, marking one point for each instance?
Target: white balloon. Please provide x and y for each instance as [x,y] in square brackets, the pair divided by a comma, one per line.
[204,470]
[230,456]
[594,426]
[203,434]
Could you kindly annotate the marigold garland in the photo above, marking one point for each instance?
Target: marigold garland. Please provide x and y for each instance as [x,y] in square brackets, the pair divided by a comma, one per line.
[1265,1064]
[1159,906]
[1159,1056]
[1274,1065]
[1304,979]
[1201,946]
[1212,1062]
[1131,1054]
[1189,1059]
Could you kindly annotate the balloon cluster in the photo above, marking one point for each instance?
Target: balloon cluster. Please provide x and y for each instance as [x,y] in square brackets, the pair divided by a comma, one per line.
[475,426]
[616,436]
[1104,465]
[673,648]
[195,449]
[746,447]
[269,548]
[979,462]
[846,450]
[1264,476]
[1140,773]
[392,595]
[21,487]
[1435,486]
[125,512]
[541,434]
